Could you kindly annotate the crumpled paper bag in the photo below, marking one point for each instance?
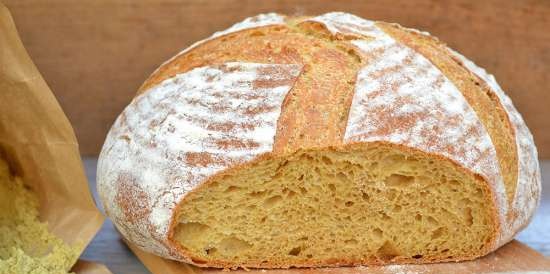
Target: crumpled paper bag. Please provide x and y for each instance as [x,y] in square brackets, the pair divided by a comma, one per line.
[40,146]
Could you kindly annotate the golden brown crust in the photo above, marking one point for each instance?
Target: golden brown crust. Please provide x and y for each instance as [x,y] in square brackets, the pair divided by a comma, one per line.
[318,105]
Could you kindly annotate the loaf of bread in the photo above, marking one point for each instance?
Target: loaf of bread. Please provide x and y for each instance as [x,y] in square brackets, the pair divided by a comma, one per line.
[319,141]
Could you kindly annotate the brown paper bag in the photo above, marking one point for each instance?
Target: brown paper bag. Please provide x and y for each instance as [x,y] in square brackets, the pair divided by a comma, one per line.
[40,144]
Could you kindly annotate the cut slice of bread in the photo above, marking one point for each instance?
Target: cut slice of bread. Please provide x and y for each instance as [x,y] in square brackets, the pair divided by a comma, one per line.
[319,141]
[365,204]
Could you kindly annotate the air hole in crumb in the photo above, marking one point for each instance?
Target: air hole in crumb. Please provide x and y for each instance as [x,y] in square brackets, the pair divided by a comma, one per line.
[272,201]
[306,157]
[349,203]
[210,251]
[438,233]
[397,180]
[351,242]
[377,232]
[365,196]
[326,160]
[384,216]
[332,187]
[432,221]
[233,245]
[454,183]
[387,251]
[397,208]
[417,256]
[341,176]
[295,251]
[468,216]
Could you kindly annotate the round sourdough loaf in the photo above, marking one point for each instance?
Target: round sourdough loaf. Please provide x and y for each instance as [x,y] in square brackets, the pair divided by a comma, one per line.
[319,141]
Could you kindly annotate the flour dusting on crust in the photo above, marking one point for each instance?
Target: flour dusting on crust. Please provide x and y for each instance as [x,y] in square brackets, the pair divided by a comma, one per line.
[401,97]
[527,195]
[177,134]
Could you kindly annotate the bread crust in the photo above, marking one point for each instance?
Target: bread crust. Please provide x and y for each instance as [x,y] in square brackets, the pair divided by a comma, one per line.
[302,125]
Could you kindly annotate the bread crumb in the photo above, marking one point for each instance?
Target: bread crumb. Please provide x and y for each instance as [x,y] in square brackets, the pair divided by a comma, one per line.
[26,245]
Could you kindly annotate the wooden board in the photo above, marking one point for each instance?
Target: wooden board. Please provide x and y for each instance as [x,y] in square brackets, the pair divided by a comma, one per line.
[513,257]
[87,267]
[95,54]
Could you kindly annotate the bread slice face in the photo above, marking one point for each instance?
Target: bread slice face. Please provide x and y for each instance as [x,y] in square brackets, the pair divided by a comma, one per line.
[362,204]
[318,141]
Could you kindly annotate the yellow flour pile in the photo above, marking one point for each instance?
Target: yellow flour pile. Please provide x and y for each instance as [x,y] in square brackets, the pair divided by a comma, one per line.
[26,245]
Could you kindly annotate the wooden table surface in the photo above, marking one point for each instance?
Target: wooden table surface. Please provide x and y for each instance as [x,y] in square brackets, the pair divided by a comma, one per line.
[108,248]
